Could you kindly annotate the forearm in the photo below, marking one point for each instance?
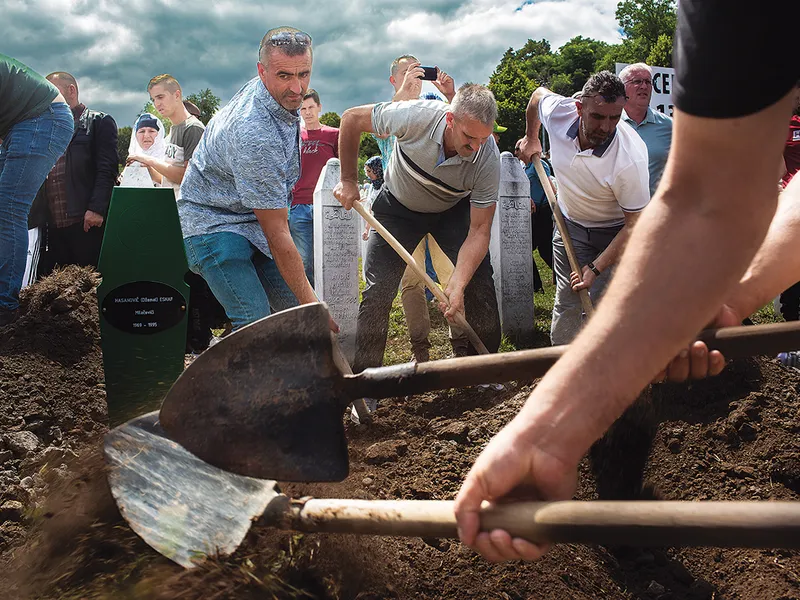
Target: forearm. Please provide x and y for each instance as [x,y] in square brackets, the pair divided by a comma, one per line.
[172,172]
[614,358]
[613,251]
[776,266]
[472,252]
[532,122]
[355,121]
[290,265]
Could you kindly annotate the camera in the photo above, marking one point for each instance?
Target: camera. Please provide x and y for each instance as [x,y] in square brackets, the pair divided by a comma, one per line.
[431,73]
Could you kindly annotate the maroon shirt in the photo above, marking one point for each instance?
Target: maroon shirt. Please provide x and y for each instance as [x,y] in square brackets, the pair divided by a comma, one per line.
[791,153]
[316,147]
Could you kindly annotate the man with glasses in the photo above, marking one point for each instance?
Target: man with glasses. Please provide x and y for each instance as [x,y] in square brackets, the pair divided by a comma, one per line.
[654,127]
[602,183]
[443,179]
[237,191]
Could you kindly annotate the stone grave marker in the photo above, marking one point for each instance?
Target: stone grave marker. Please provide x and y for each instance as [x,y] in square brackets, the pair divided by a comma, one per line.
[336,250]
[143,300]
[510,249]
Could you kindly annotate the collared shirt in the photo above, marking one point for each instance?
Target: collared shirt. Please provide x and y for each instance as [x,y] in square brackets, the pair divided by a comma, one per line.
[55,186]
[416,177]
[248,159]
[595,185]
[656,131]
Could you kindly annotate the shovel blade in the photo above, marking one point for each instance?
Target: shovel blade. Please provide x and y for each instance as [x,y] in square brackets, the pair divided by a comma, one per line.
[182,507]
[266,401]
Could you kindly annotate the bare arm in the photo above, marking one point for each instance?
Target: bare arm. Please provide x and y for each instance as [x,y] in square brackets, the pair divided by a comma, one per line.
[355,121]
[613,252]
[472,252]
[275,224]
[530,145]
[689,248]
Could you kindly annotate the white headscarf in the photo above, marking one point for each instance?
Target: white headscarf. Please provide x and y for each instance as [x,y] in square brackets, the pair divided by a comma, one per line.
[159,147]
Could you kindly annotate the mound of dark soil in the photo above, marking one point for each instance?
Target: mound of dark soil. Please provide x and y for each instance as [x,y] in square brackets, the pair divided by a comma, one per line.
[733,437]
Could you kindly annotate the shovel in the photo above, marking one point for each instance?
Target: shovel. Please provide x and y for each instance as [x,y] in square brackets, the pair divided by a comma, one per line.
[267,401]
[188,510]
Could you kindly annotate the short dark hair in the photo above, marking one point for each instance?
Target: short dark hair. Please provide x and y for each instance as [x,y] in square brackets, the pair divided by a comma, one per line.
[312,93]
[265,48]
[604,84]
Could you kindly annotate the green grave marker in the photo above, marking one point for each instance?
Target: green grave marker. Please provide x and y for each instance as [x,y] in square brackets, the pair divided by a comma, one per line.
[143,300]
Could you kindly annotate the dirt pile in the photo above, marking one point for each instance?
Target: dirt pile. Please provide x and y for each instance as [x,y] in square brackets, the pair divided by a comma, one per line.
[52,398]
[734,437]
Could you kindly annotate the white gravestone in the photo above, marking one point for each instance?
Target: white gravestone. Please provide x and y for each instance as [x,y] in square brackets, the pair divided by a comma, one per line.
[336,249]
[510,250]
[136,175]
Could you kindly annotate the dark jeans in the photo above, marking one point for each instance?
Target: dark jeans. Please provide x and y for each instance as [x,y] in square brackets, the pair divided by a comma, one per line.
[542,239]
[72,246]
[384,269]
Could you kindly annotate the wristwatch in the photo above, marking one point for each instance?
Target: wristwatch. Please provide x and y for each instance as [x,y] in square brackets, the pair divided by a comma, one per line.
[594,269]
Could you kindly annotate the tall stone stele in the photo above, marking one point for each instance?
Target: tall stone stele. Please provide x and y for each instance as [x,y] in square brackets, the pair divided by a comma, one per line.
[511,252]
[336,251]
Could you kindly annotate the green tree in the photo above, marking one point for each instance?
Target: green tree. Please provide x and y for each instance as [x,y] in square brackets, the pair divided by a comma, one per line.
[123,142]
[512,89]
[368,147]
[661,52]
[646,21]
[331,119]
[207,102]
[577,60]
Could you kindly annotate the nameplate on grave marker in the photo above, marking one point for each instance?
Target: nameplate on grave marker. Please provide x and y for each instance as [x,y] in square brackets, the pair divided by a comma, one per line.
[144,307]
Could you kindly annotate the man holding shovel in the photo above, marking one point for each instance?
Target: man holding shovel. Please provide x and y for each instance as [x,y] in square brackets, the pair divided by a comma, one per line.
[442,179]
[688,253]
[603,185]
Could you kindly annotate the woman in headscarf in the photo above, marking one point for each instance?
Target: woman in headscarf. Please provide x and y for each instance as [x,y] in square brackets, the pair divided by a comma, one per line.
[148,140]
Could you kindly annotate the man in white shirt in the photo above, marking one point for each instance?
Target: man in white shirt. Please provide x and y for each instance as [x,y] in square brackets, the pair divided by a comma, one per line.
[602,170]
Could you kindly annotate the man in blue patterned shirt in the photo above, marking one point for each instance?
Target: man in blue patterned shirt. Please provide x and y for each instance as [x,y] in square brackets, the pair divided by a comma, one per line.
[238,188]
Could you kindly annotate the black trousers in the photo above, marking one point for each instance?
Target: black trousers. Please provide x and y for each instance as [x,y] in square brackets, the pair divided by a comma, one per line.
[71,246]
[542,239]
[384,268]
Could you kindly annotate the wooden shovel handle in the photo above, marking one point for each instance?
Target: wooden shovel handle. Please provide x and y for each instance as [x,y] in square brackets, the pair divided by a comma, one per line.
[460,320]
[407,379]
[677,523]
[586,302]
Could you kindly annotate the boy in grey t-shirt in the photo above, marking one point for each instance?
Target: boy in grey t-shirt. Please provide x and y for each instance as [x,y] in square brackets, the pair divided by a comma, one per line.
[185,134]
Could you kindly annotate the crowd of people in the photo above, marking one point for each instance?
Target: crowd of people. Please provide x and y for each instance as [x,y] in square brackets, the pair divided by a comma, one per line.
[674,223]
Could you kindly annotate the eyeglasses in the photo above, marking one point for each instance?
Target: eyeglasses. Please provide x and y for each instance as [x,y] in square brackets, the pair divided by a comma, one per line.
[289,38]
[638,82]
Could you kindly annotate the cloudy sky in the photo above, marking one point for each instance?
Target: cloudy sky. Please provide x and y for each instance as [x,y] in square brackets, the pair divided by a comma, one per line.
[113,47]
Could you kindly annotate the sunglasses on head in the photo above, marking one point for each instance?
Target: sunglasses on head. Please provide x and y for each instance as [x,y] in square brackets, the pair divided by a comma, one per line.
[289,38]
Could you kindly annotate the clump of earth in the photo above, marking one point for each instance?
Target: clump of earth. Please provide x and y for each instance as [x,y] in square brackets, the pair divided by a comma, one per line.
[731,438]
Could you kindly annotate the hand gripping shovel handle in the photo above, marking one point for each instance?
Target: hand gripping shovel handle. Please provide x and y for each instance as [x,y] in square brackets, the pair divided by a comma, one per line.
[460,320]
[407,379]
[586,302]
[722,524]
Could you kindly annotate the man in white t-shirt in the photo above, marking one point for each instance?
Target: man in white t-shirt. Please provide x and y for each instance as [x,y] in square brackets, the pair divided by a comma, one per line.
[602,170]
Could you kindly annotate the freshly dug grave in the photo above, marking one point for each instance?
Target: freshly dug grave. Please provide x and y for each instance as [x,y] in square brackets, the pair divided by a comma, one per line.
[734,437]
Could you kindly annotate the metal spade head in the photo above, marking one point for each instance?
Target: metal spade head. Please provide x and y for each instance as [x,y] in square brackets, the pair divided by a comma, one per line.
[266,402]
[181,506]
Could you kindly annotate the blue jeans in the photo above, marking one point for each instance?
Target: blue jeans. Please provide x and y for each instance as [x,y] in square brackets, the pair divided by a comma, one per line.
[245,281]
[301,224]
[29,151]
